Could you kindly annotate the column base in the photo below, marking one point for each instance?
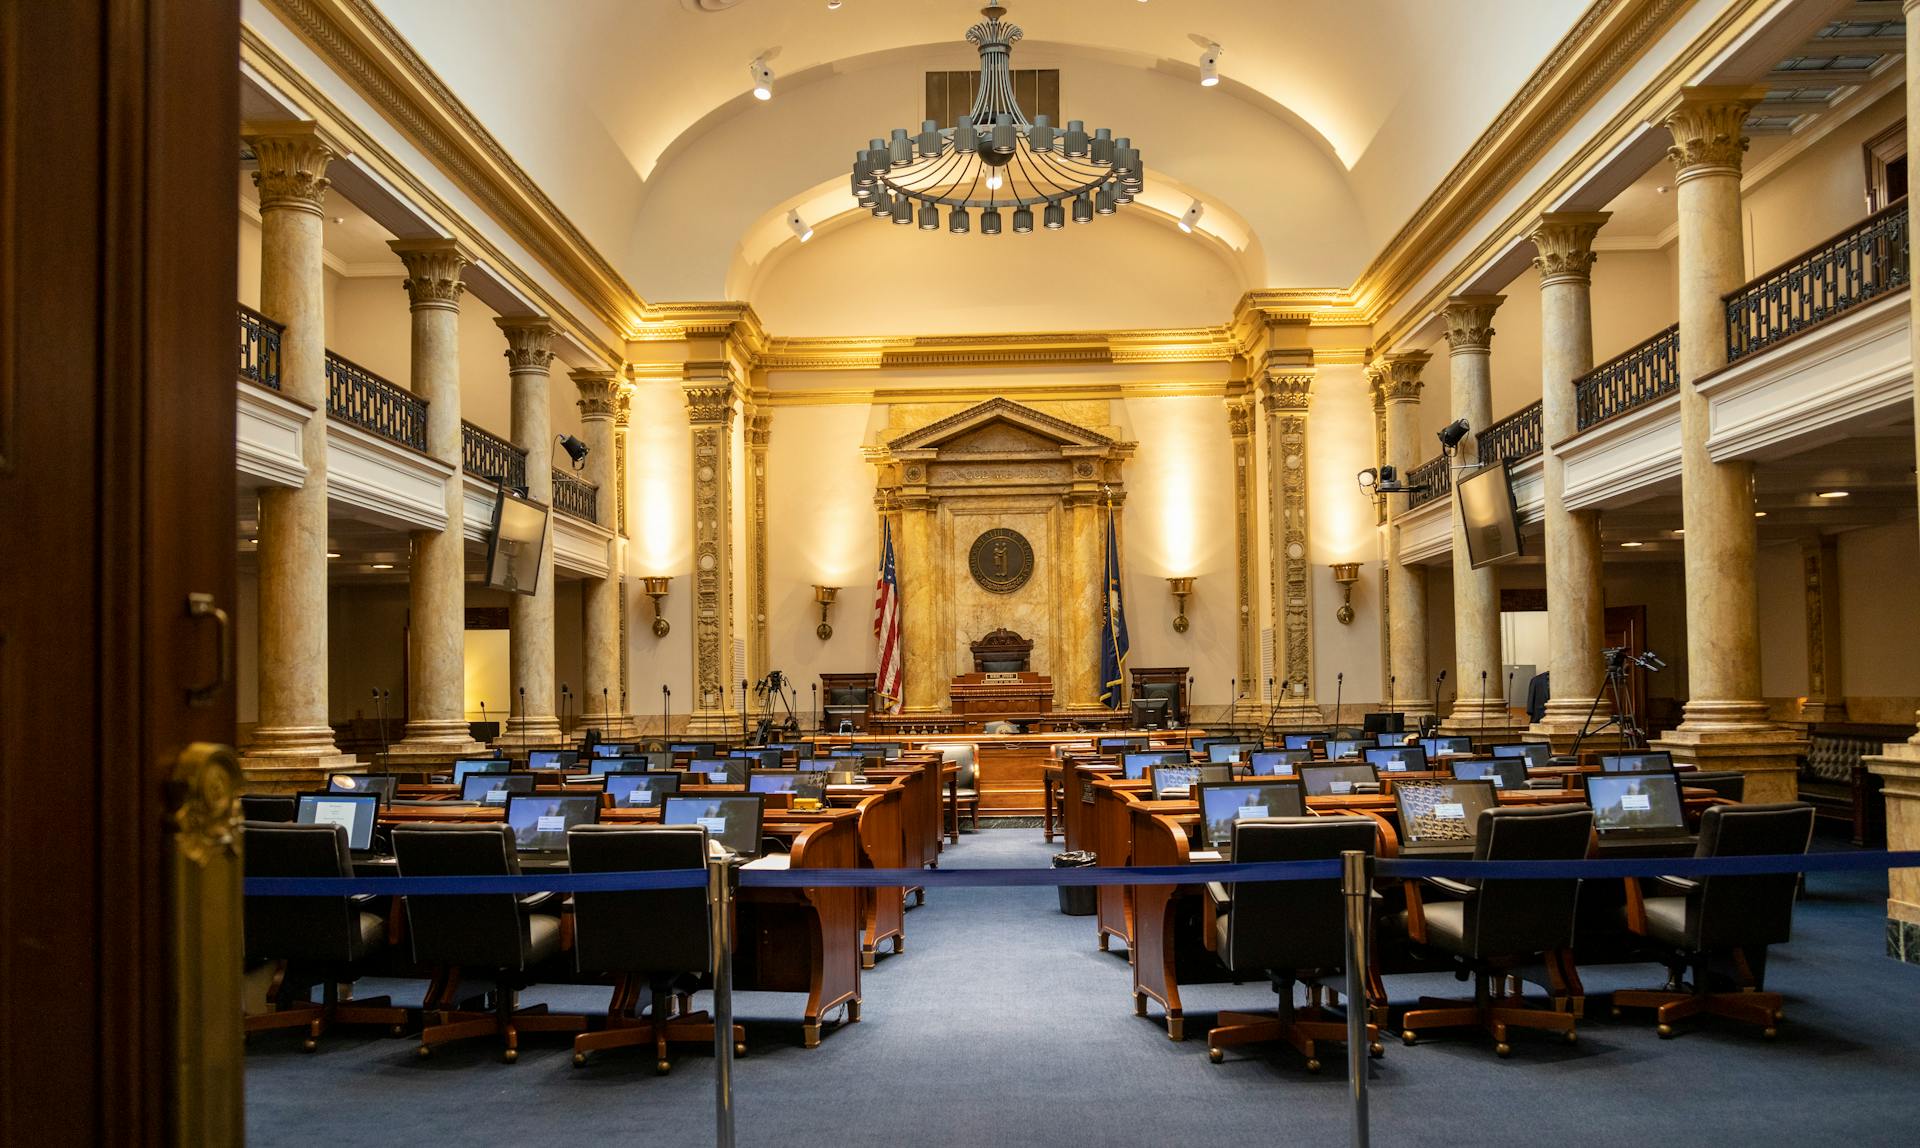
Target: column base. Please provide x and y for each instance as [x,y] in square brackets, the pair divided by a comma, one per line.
[612,727]
[538,731]
[1299,714]
[1735,735]
[1814,710]
[288,759]
[1560,726]
[1480,719]
[714,723]
[430,741]
[1898,768]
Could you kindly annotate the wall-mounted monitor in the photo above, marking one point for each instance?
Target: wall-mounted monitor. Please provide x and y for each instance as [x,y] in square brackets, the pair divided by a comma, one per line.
[514,544]
[1488,516]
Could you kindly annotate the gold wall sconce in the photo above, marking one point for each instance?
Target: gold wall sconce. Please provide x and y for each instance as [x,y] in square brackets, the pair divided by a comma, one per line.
[656,589]
[1182,588]
[825,596]
[1345,574]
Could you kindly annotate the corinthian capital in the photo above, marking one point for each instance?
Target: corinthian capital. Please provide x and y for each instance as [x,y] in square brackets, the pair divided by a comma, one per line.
[1706,122]
[529,342]
[1287,393]
[1469,320]
[1563,245]
[293,159]
[709,401]
[598,392]
[1400,376]
[433,272]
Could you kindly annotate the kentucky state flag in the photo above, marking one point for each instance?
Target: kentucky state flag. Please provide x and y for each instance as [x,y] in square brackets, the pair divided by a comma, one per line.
[1113,627]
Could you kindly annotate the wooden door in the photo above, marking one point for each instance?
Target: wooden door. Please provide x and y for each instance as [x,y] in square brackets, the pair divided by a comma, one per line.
[118,924]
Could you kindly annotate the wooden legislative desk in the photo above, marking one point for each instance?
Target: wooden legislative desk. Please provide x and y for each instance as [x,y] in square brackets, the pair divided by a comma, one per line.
[1000,697]
[1013,766]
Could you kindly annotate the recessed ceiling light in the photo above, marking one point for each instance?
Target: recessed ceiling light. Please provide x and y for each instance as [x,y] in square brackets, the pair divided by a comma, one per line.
[1834,493]
[339,219]
[383,565]
[1662,189]
[333,554]
[1631,545]
[1759,514]
[833,5]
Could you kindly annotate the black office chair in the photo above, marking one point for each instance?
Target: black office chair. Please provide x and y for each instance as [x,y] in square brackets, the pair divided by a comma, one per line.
[1732,917]
[497,934]
[280,808]
[1497,925]
[658,940]
[324,939]
[1294,931]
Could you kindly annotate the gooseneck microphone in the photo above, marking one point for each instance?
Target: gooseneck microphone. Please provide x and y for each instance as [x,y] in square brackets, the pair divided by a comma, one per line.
[1390,684]
[1339,689]
[1274,708]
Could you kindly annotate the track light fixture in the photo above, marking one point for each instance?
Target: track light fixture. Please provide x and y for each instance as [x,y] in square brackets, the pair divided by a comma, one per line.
[1191,219]
[1451,434]
[1210,63]
[762,76]
[800,227]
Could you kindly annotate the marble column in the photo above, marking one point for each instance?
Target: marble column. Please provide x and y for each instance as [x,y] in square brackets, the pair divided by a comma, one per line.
[710,411]
[1285,399]
[293,744]
[1899,765]
[1724,724]
[1400,387]
[926,676]
[437,574]
[1082,581]
[622,412]
[530,616]
[1576,604]
[1480,706]
[1250,703]
[603,703]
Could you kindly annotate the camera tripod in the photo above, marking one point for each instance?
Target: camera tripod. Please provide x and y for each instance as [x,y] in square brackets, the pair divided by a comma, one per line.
[1619,662]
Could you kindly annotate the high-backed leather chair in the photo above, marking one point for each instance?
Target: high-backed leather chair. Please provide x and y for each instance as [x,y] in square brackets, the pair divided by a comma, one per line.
[658,940]
[966,783]
[1728,783]
[272,807]
[1731,917]
[501,936]
[1496,925]
[324,939]
[1294,931]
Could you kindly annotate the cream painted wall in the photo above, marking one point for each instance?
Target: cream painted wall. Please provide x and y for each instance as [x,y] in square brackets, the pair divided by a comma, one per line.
[489,674]
[1342,529]
[366,648]
[659,516]
[1783,620]
[1879,616]
[1816,194]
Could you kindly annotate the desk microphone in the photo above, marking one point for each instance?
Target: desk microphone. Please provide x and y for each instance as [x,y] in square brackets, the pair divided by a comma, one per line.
[1272,709]
[565,694]
[1507,701]
[1339,688]
[380,704]
[1483,690]
[666,713]
[1390,681]
[523,705]
[605,701]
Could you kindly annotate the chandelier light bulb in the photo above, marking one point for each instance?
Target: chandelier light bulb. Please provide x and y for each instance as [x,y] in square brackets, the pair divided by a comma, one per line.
[1191,219]
[1210,65]
[994,181]
[799,226]
[762,78]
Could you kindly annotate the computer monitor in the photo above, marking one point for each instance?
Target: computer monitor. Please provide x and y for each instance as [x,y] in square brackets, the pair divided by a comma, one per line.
[613,749]
[1150,713]
[815,764]
[540,821]
[691,748]
[720,770]
[1268,762]
[1645,761]
[1396,737]
[799,784]
[379,784]
[1336,780]
[1441,812]
[1504,772]
[1436,746]
[885,748]
[1536,753]
[799,749]
[641,790]
[466,765]
[561,759]
[1345,747]
[1396,758]
[1301,740]
[1176,781]
[494,788]
[732,821]
[760,757]
[650,761]
[356,811]
[1134,766]
[1223,803]
[1121,744]
[1635,804]
[1234,751]
[1383,721]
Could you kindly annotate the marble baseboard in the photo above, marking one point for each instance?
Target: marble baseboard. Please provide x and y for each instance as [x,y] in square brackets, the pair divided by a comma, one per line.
[1903,941]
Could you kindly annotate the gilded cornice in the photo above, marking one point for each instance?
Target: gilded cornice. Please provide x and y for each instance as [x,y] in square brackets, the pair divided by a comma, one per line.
[1469,320]
[1563,245]
[433,272]
[598,392]
[1002,409]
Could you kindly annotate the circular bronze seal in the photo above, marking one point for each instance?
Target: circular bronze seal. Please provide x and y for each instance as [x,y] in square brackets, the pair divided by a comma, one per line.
[1001,561]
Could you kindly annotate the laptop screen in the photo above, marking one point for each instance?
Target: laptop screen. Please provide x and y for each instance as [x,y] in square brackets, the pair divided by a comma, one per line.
[356,811]
[1335,780]
[732,821]
[1222,804]
[812,784]
[1171,782]
[611,749]
[493,788]
[540,822]
[1398,758]
[1120,744]
[1536,753]
[1231,751]
[1504,772]
[654,761]
[758,758]
[691,748]
[1435,746]
[814,764]
[465,766]
[884,748]
[1135,765]
[1300,740]
[641,790]
[1634,801]
[800,749]
[1394,737]
[720,770]
[552,759]
[1344,747]
[380,786]
[1653,761]
[1441,812]
[1267,762]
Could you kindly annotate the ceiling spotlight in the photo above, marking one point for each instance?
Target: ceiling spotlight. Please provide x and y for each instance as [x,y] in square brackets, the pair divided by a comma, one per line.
[1367,479]
[1759,514]
[1210,64]
[833,5]
[1631,545]
[333,554]
[799,226]
[576,450]
[1835,493]
[1191,219]
[762,78]
[1451,434]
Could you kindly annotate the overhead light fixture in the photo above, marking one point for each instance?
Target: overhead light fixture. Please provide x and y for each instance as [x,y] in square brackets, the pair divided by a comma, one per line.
[1191,219]
[1759,514]
[833,5]
[382,566]
[762,76]
[576,450]
[1835,493]
[994,159]
[1631,545]
[1210,53]
[1680,533]
[333,554]
[800,228]
[1451,434]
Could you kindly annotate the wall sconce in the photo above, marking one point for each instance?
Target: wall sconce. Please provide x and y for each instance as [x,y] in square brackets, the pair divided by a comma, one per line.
[656,589]
[1181,588]
[824,595]
[1346,574]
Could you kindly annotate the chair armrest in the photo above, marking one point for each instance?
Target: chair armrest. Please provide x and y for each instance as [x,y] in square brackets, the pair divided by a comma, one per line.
[1451,887]
[1221,897]
[1680,885]
[535,902]
[1416,914]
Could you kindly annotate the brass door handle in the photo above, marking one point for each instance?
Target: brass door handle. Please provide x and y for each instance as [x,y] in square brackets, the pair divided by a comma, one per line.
[200,605]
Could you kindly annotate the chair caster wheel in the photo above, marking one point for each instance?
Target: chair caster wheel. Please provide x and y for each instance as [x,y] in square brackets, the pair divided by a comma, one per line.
[1215,1055]
[661,1068]
[425,1052]
[1665,1031]
[579,1059]
[1779,1015]
[309,1044]
[398,1030]
[1769,1032]
[1616,1012]
[1503,1049]
[739,1048]
[1376,1050]
[510,1055]
[1573,1037]
[1407,1038]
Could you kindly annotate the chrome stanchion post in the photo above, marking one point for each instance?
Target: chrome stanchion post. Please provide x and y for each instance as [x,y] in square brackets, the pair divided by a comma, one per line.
[1354,886]
[720,905]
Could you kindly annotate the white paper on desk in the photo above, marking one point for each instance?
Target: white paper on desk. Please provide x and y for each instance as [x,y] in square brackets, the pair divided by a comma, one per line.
[1451,810]
[556,823]
[1498,781]
[771,861]
[1638,802]
[1397,765]
[1204,855]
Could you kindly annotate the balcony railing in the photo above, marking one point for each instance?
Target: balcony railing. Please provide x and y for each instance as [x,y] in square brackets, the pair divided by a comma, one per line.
[1513,438]
[489,456]
[1846,271]
[358,396]
[259,349]
[575,495]
[1436,475]
[1644,374]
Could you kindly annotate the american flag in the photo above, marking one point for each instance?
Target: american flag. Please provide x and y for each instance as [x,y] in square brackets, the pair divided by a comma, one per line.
[890,682]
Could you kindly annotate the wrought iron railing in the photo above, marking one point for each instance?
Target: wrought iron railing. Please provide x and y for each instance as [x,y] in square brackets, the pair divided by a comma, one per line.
[1434,475]
[259,349]
[1641,375]
[1855,267]
[1513,438]
[489,456]
[575,495]
[358,396]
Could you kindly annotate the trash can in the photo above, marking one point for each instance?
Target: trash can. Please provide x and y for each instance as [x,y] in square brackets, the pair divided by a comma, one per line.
[1077,900]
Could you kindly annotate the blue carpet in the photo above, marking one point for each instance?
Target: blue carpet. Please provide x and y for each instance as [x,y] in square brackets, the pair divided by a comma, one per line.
[1002,1022]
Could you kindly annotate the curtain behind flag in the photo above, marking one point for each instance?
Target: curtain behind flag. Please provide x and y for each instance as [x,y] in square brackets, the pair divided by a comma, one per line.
[890,680]
[1113,626]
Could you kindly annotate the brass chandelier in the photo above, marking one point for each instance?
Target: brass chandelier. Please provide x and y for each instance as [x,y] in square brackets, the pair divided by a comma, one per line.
[995,160]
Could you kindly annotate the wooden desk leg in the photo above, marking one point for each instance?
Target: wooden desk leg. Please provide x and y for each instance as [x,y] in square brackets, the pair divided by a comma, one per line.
[1046,808]
[953,807]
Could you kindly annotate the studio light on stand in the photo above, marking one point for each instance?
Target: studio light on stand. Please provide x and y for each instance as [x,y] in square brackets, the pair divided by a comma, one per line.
[576,450]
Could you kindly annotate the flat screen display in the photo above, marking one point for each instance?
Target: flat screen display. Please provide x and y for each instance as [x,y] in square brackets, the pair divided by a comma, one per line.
[641,790]
[540,822]
[1135,765]
[380,785]
[1267,762]
[1222,805]
[494,788]
[1488,517]
[356,811]
[514,544]
[1339,747]
[1441,811]
[721,770]
[1652,761]
[1336,780]
[1300,740]
[552,759]
[1635,801]
[1435,746]
[1397,758]
[1504,772]
[1231,751]
[1535,753]
[732,821]
[478,765]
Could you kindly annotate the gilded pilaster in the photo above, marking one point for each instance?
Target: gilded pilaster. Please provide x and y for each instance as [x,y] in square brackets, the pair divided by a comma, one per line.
[710,395]
[1286,399]
[1249,704]
[759,433]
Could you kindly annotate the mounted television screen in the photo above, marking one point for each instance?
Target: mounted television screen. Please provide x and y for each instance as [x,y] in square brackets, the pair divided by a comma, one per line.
[513,545]
[1488,516]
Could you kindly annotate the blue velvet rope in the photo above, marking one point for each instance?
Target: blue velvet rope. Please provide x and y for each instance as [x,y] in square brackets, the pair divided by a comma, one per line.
[1134,875]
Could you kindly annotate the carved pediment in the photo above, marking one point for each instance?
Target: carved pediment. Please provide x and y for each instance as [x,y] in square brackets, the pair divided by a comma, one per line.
[1000,425]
